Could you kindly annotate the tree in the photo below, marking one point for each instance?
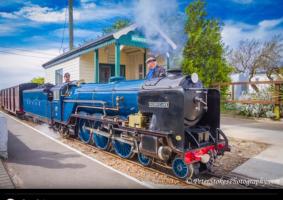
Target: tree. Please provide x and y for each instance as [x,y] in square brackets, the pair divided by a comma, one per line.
[280,75]
[271,56]
[38,80]
[246,58]
[204,52]
[254,55]
[116,26]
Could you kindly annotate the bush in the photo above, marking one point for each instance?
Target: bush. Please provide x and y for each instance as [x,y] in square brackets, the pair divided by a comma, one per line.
[253,110]
[230,106]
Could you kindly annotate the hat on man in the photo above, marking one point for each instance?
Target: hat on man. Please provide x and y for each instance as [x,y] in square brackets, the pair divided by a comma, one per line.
[151,58]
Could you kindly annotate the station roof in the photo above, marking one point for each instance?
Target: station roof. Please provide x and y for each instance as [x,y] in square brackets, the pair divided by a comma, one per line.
[101,42]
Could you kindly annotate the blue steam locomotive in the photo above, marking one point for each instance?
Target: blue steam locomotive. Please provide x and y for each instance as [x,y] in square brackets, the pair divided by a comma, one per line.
[172,120]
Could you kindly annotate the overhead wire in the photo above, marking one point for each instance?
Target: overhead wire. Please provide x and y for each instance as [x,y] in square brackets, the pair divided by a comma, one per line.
[28,50]
[8,52]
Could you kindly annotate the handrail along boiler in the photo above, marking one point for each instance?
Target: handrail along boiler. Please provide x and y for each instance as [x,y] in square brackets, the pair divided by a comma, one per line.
[172,120]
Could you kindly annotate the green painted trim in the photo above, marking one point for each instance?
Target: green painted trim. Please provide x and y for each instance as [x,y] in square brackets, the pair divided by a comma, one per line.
[117,59]
[133,39]
[96,67]
[133,44]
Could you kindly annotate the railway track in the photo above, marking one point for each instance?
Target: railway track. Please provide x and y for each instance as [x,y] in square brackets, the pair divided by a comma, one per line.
[131,161]
[236,181]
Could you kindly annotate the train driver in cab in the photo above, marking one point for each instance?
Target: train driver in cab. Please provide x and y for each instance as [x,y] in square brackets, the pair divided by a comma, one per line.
[154,70]
[67,77]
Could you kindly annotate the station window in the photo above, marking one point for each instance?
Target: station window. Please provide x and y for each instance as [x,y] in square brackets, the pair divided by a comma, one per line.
[59,76]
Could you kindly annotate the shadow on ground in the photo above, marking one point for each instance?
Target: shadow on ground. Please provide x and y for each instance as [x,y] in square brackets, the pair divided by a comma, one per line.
[21,154]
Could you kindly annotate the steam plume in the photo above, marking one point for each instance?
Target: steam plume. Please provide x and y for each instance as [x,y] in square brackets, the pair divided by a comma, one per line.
[158,20]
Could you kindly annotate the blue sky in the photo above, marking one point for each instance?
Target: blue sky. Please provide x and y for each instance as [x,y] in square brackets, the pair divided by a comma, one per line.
[31,30]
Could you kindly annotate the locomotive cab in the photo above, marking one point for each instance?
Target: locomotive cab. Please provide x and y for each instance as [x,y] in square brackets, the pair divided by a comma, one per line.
[61,109]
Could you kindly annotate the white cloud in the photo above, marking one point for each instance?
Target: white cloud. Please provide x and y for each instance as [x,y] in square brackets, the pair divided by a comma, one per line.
[83,33]
[88,5]
[88,12]
[36,13]
[233,32]
[107,11]
[5,4]
[243,1]
[86,1]
[78,33]
[31,15]
[265,24]
[6,30]
[8,15]
[41,14]
[16,69]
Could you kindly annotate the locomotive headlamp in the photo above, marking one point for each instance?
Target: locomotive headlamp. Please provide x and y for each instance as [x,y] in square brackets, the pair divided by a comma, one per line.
[194,78]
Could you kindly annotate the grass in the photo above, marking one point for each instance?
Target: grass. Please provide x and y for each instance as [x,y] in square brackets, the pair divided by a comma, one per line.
[223,110]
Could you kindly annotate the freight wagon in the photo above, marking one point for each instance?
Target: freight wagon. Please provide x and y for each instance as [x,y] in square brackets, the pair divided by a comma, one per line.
[12,98]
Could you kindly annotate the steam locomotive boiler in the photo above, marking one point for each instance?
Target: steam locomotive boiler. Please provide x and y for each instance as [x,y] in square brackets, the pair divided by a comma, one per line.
[172,120]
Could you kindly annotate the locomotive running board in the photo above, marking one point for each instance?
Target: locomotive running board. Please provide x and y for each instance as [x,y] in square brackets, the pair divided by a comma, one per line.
[108,135]
[98,132]
[141,131]
[89,117]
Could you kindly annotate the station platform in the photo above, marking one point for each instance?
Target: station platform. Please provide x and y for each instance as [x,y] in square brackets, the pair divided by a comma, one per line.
[37,161]
[5,181]
[268,165]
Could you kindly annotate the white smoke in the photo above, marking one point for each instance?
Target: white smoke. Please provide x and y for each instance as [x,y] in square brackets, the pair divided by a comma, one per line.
[159,19]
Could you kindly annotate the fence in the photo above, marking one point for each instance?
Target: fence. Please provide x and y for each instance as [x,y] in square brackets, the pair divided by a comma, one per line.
[275,99]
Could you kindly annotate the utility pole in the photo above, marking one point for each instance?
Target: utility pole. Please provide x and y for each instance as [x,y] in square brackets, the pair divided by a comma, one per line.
[71,29]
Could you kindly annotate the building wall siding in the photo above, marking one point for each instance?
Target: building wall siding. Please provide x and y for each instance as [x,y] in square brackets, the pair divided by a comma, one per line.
[71,66]
[131,61]
[87,67]
[107,55]
[132,68]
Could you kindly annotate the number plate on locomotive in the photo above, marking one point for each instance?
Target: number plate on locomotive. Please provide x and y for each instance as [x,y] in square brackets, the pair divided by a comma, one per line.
[158,104]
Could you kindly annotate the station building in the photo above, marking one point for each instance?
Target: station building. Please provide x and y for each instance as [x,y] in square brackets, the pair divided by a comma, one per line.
[122,53]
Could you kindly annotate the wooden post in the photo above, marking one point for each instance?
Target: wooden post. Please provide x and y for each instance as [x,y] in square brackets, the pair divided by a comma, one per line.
[96,67]
[144,59]
[117,59]
[233,92]
[280,99]
[277,101]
